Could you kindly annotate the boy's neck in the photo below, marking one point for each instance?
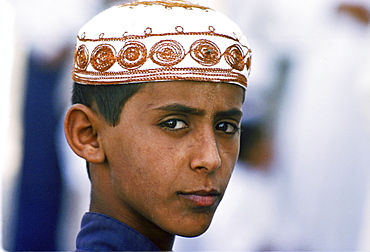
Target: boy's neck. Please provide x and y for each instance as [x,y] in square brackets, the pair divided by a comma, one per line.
[103,201]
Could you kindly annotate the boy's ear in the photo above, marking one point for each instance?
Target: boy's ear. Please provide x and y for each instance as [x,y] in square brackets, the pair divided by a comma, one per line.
[81,127]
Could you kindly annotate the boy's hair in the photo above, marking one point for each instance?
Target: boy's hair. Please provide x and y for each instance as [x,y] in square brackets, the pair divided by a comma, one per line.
[109,99]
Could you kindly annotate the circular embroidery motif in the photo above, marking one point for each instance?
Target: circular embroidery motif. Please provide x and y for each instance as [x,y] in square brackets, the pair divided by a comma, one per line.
[133,55]
[205,52]
[82,57]
[167,53]
[103,57]
[234,57]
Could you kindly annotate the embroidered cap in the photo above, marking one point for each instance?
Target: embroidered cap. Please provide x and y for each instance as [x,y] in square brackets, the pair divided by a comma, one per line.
[167,40]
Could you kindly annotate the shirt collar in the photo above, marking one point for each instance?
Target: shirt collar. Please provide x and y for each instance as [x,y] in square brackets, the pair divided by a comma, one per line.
[100,232]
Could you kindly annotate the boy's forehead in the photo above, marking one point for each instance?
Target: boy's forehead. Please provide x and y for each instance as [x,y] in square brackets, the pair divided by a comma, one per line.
[180,92]
[188,97]
[155,41]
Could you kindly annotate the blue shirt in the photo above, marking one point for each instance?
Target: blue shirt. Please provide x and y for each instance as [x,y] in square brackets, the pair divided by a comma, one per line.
[100,232]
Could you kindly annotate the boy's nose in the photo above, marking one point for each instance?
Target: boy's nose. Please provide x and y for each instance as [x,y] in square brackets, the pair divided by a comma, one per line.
[206,154]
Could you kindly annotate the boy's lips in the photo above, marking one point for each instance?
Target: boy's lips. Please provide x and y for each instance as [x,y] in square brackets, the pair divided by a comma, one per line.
[202,198]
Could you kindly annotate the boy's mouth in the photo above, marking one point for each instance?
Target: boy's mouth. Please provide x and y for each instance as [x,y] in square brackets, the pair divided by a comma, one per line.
[201,198]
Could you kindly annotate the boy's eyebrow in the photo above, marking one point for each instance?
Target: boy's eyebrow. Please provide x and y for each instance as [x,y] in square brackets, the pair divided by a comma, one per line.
[193,111]
[230,113]
[182,109]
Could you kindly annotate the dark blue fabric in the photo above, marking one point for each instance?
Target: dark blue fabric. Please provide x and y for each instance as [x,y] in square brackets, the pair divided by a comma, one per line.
[100,232]
[39,185]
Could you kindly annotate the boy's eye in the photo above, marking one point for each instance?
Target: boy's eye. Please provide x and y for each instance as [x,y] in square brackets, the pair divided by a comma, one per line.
[227,127]
[174,124]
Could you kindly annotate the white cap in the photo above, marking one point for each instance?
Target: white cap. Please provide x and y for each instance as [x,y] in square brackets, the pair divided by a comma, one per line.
[167,40]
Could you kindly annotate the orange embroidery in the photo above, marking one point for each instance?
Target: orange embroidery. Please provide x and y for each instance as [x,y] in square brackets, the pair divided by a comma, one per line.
[82,57]
[167,53]
[103,57]
[248,60]
[205,52]
[133,55]
[167,4]
[234,57]
[191,74]
[164,53]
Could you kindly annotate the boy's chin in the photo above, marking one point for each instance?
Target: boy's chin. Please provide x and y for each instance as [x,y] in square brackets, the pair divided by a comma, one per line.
[193,232]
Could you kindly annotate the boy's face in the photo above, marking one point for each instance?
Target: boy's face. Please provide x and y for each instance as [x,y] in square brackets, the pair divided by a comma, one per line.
[171,156]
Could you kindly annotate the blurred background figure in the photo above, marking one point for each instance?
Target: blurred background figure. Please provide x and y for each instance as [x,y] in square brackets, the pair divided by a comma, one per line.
[322,132]
[301,182]
[45,32]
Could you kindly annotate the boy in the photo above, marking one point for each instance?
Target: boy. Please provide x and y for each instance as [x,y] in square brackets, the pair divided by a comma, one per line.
[157,99]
